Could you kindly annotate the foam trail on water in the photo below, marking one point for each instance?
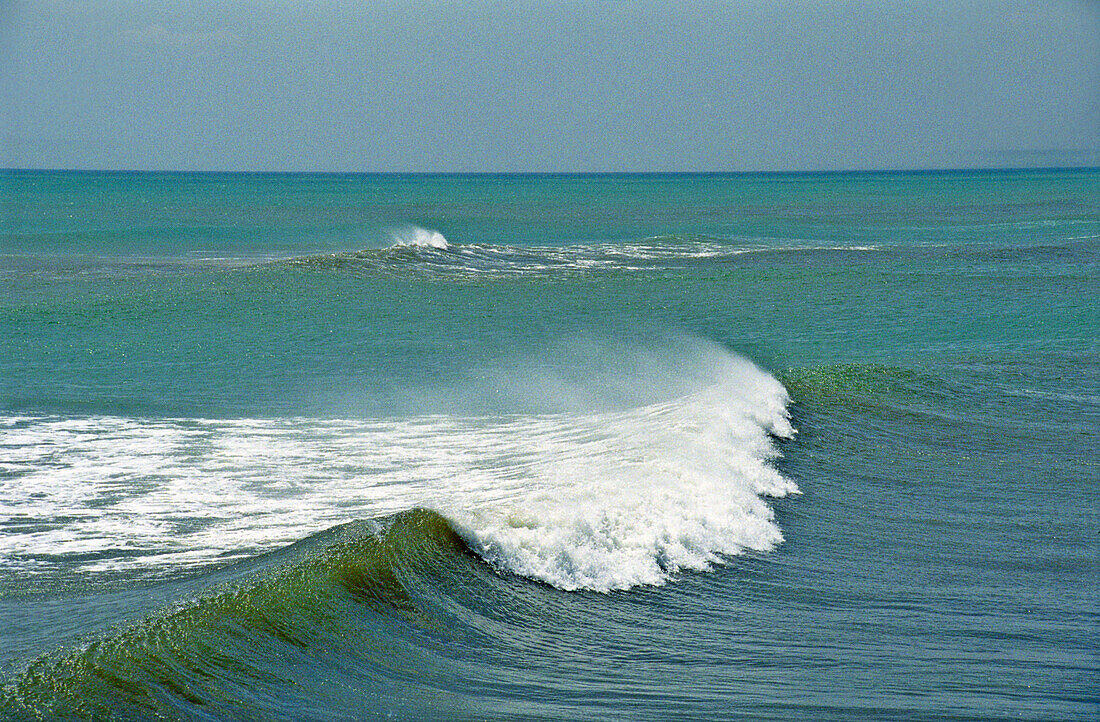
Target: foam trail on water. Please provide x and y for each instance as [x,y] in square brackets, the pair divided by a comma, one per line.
[603,500]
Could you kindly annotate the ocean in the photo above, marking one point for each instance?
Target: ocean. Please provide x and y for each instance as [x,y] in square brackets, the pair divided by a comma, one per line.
[550,447]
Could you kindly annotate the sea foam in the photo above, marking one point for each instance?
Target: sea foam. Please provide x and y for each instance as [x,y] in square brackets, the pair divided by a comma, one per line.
[415,236]
[613,501]
[599,500]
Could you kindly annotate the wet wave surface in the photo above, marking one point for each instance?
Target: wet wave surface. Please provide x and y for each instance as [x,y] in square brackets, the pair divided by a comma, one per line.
[331,623]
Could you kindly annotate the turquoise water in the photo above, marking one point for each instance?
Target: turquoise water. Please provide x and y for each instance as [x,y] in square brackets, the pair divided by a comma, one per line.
[549,447]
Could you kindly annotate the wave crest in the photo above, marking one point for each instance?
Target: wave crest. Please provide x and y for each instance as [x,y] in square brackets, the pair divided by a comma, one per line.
[417,237]
[633,498]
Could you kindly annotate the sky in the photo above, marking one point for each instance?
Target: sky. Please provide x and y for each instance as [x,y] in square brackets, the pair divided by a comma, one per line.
[568,86]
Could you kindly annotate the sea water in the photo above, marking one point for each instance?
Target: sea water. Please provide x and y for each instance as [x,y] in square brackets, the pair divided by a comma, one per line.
[549,447]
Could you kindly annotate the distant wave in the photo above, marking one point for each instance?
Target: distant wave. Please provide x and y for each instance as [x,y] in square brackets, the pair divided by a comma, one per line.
[427,253]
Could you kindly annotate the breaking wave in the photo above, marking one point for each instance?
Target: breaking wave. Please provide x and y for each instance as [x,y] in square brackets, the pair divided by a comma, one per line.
[598,500]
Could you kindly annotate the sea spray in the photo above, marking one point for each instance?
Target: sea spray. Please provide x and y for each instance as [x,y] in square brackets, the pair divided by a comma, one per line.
[617,500]
[415,236]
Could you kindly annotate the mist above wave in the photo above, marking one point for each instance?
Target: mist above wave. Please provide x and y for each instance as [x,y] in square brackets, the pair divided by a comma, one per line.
[417,237]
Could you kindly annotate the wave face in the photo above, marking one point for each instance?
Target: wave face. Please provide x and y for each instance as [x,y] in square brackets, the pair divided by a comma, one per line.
[598,500]
[313,629]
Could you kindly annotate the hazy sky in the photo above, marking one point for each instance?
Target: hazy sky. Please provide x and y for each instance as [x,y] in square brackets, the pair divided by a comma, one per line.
[422,85]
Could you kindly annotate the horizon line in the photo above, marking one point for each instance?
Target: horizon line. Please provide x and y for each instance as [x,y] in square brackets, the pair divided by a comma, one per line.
[651,173]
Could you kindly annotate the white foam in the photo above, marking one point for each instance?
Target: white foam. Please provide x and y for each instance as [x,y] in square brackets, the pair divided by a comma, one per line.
[624,499]
[415,236]
[596,501]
